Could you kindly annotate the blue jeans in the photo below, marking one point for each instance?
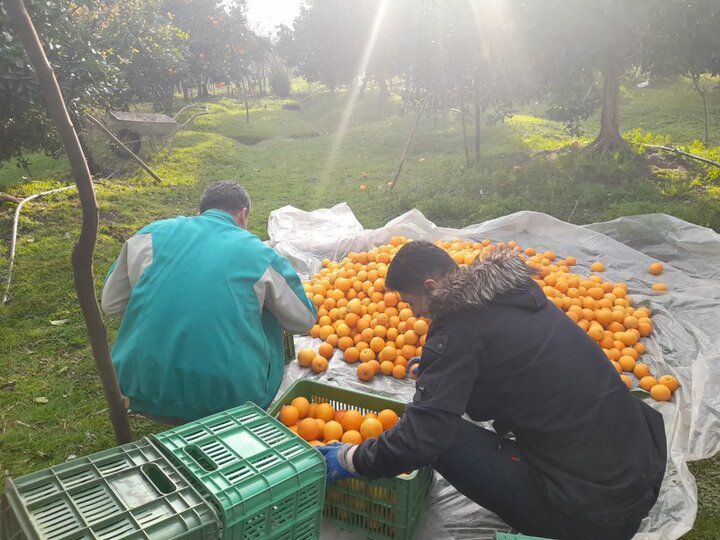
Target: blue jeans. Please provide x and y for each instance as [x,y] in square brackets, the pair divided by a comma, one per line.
[491,471]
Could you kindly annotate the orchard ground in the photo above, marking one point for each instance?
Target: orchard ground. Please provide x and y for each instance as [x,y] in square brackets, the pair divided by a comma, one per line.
[286,156]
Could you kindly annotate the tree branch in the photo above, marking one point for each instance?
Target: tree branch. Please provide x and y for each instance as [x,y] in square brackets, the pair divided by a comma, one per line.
[83,253]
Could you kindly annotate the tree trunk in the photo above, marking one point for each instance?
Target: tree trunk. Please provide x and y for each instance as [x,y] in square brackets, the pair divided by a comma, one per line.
[82,137]
[703,95]
[464,128]
[478,119]
[609,139]
[247,106]
[83,252]
[410,137]
[185,91]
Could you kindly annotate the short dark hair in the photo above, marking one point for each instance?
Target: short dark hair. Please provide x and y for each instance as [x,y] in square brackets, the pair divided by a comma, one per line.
[228,196]
[414,263]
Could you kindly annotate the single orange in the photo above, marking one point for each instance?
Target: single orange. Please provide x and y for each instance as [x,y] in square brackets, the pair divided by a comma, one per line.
[627,380]
[319,364]
[351,355]
[326,350]
[387,367]
[365,371]
[352,420]
[371,428]
[305,357]
[289,415]
[656,268]
[325,412]
[332,430]
[399,371]
[302,405]
[388,418]
[647,382]
[660,392]
[352,437]
[669,381]
[309,429]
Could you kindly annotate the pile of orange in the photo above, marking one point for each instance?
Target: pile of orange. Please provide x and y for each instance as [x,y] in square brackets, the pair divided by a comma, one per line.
[320,423]
[376,328]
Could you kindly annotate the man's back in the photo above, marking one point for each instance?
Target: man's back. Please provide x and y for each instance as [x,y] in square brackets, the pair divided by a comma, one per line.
[196,335]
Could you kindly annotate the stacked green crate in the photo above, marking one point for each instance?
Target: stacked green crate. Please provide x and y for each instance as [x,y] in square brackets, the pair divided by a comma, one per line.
[131,492]
[265,482]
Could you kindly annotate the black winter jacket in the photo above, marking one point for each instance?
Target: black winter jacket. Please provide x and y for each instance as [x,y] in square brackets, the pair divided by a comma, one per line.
[499,350]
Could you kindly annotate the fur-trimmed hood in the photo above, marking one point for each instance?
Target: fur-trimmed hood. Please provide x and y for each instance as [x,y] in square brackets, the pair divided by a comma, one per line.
[492,274]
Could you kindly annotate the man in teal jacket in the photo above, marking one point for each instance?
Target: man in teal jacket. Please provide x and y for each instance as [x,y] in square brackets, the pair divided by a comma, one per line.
[203,304]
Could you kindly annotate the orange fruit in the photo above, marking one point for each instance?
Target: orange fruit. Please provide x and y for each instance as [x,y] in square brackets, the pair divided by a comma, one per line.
[656,268]
[375,365]
[627,380]
[321,425]
[388,354]
[289,415]
[391,299]
[399,371]
[629,351]
[352,437]
[352,420]
[326,350]
[641,370]
[332,430]
[351,355]
[367,355]
[302,405]
[365,371]
[371,428]
[312,411]
[344,343]
[319,364]
[420,327]
[388,418]
[659,287]
[597,267]
[627,363]
[660,392]
[305,357]
[617,367]
[647,382]
[325,412]
[387,367]
[315,442]
[309,429]
[669,381]
[332,340]
[377,344]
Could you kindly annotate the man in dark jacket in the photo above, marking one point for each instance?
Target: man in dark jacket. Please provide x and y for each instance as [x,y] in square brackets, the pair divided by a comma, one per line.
[573,453]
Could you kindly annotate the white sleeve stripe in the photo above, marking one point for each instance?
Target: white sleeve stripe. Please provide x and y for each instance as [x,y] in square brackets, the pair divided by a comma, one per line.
[139,256]
[281,299]
[136,255]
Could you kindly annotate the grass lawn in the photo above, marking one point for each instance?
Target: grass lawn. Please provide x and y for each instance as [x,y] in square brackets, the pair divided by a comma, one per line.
[297,157]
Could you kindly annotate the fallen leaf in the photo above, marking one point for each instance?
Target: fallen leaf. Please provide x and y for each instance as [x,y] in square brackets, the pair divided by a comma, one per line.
[59,322]
[41,399]
[71,457]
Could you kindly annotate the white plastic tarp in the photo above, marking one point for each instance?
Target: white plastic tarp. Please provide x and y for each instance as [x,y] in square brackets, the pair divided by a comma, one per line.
[685,343]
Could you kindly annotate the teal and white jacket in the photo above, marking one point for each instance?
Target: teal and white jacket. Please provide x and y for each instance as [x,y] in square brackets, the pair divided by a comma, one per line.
[203,303]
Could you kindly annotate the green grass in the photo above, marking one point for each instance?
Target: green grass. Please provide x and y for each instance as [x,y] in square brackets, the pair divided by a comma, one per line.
[41,166]
[283,157]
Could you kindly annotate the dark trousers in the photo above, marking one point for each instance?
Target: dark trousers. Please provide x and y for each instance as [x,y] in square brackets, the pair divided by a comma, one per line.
[491,471]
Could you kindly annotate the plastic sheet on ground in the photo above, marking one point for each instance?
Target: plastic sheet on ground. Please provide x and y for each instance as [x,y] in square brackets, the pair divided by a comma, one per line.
[685,343]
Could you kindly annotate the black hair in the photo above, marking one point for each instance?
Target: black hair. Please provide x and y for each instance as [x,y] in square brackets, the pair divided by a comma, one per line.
[228,196]
[414,263]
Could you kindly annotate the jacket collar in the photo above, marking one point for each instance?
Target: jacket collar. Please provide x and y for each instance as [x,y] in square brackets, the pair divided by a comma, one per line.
[491,277]
[220,215]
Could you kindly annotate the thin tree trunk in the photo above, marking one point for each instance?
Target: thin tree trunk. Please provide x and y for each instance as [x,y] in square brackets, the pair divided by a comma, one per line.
[407,144]
[478,119]
[464,128]
[247,106]
[83,253]
[609,138]
[703,95]
[186,93]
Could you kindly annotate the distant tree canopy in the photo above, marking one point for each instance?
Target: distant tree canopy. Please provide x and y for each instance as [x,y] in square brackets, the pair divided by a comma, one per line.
[479,59]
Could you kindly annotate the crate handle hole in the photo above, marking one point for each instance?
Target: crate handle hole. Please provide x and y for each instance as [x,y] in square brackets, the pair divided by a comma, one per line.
[201,458]
[158,478]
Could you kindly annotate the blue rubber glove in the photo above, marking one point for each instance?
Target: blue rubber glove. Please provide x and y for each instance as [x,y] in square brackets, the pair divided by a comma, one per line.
[338,467]
[412,366]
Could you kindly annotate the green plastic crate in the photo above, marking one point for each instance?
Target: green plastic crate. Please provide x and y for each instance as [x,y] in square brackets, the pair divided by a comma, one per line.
[131,492]
[265,482]
[387,508]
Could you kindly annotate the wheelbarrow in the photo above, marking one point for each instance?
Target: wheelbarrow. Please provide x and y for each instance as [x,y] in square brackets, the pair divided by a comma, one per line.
[134,128]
